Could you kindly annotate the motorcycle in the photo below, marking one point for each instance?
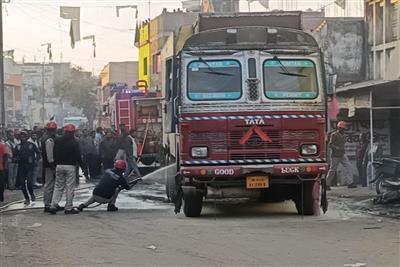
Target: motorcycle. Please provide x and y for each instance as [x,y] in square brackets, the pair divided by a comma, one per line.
[387,177]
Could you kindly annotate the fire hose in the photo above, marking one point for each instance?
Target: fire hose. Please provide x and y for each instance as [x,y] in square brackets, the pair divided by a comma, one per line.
[4,209]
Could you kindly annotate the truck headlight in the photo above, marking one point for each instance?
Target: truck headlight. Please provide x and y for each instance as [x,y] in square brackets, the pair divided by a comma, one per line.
[199,152]
[309,150]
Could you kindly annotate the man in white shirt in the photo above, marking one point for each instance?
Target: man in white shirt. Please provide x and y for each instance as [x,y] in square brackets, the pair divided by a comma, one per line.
[132,159]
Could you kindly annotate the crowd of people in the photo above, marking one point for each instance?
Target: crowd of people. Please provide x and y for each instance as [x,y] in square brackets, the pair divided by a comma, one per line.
[51,157]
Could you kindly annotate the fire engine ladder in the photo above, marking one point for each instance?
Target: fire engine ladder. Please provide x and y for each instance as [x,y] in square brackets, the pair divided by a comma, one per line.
[124,113]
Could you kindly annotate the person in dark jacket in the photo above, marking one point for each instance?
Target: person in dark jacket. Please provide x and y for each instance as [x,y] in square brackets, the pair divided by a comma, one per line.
[66,155]
[125,146]
[361,148]
[109,187]
[26,154]
[108,150]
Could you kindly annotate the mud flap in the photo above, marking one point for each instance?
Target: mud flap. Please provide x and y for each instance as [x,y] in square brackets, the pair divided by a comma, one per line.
[324,198]
[179,193]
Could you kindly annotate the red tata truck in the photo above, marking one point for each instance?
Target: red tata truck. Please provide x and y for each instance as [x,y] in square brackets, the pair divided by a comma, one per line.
[251,112]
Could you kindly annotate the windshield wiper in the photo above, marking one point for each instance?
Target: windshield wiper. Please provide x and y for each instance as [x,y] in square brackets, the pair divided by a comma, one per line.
[219,73]
[211,69]
[285,70]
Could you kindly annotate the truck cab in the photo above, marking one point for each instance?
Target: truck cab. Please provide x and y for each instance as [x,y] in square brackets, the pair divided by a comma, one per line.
[251,117]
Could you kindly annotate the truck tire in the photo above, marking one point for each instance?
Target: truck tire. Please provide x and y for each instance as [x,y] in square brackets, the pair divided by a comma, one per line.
[304,198]
[170,188]
[148,160]
[193,203]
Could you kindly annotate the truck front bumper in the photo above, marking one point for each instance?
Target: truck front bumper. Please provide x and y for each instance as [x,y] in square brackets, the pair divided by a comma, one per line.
[226,172]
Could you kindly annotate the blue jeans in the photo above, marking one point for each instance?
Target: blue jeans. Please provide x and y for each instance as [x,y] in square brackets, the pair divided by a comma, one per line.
[12,175]
[131,164]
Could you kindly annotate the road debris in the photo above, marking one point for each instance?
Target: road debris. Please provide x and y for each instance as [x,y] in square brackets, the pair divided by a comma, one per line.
[358,264]
[152,247]
[35,225]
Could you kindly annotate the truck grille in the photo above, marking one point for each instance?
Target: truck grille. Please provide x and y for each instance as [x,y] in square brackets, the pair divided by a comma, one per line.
[216,140]
[256,148]
[256,155]
[255,141]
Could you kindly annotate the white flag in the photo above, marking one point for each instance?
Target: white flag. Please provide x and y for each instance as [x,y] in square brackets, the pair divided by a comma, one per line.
[264,3]
[341,3]
[72,13]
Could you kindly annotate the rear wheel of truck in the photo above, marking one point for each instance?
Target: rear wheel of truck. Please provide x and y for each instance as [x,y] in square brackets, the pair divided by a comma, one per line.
[193,203]
[304,198]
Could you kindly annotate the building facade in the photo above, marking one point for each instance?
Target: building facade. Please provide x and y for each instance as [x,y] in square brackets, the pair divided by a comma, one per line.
[153,36]
[383,20]
[117,73]
[144,52]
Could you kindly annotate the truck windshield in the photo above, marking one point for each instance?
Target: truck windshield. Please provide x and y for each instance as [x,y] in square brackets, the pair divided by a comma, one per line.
[214,80]
[290,79]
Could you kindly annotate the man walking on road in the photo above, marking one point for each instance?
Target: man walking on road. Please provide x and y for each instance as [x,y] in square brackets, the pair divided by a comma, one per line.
[49,164]
[26,155]
[337,142]
[36,170]
[67,155]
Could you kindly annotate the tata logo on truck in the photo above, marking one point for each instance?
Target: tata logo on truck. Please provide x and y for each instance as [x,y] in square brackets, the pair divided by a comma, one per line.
[254,121]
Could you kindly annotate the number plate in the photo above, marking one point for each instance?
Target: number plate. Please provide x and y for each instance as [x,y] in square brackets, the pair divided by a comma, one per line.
[257,182]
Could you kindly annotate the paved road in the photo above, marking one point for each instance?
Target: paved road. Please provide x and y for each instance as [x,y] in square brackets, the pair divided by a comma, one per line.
[146,232]
[246,234]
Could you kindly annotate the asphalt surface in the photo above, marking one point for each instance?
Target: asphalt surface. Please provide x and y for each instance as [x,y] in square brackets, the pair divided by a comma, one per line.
[146,232]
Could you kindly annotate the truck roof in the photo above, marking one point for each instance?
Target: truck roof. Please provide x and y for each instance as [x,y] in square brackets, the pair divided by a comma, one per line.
[252,38]
[284,19]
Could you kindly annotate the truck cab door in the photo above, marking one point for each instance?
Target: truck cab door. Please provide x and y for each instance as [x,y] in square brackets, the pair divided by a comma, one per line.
[171,94]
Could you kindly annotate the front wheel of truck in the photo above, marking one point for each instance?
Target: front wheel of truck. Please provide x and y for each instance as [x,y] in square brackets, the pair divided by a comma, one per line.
[193,203]
[304,199]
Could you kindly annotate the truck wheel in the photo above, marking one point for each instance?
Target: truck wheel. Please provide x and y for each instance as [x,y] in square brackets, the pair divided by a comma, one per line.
[193,203]
[170,188]
[148,160]
[304,198]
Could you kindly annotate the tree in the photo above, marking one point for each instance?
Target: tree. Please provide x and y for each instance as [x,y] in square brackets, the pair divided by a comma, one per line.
[80,88]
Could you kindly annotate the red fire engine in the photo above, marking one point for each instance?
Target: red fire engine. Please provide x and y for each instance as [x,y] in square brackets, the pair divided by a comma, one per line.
[251,109]
[140,110]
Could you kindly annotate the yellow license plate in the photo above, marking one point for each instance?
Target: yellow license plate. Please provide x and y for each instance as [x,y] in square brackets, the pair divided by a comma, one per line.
[257,182]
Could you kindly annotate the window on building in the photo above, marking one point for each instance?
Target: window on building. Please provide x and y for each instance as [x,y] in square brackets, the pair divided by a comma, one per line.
[395,21]
[379,24]
[145,66]
[156,63]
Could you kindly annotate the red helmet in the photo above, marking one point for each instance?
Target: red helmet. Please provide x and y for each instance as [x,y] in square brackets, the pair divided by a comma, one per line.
[120,164]
[51,125]
[69,128]
[341,125]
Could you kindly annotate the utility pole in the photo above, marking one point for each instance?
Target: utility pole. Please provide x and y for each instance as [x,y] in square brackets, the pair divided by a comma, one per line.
[43,96]
[2,89]
[42,111]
